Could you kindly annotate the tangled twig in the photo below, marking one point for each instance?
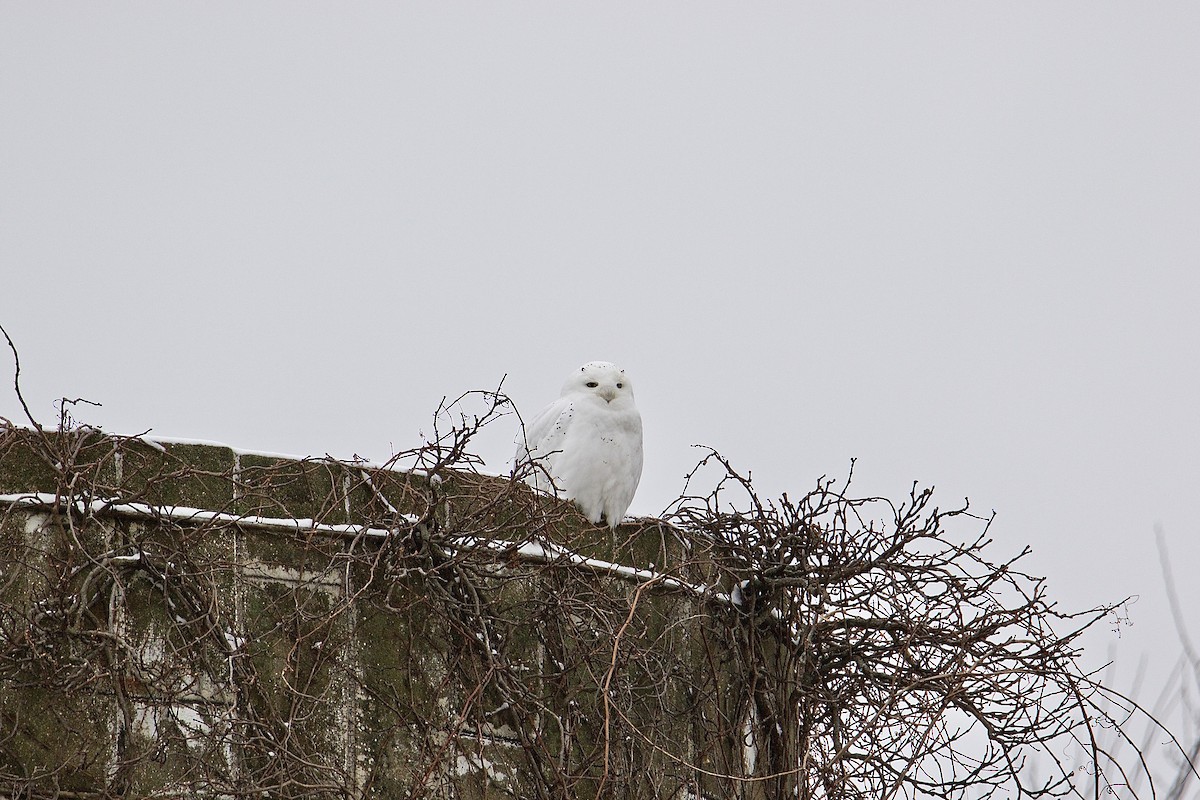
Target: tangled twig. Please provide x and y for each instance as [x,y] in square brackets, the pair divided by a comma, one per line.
[210,622]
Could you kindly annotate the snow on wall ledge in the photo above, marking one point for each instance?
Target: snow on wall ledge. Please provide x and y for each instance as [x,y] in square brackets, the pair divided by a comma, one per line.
[183,619]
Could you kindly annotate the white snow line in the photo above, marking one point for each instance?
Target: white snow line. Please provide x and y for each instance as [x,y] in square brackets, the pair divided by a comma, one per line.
[537,552]
[366,476]
[188,514]
[548,553]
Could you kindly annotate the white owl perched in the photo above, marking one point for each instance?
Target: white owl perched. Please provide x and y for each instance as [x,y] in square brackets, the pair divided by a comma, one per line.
[589,441]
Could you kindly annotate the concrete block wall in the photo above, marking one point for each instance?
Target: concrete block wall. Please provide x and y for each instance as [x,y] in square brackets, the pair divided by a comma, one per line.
[181,619]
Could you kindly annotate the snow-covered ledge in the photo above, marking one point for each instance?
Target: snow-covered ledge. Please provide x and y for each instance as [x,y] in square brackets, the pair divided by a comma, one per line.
[262,604]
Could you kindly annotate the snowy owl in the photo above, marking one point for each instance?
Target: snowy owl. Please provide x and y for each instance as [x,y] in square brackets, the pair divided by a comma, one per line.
[589,442]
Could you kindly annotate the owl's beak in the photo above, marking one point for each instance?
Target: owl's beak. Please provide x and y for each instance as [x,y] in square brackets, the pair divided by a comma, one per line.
[609,393]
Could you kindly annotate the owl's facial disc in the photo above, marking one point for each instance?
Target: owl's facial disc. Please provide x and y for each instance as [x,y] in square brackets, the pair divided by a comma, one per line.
[602,379]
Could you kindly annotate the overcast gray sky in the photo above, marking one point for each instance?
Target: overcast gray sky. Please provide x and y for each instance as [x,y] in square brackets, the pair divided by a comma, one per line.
[958,242]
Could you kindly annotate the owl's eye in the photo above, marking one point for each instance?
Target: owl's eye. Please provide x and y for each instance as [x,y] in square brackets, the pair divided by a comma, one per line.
[592,384]
[620,386]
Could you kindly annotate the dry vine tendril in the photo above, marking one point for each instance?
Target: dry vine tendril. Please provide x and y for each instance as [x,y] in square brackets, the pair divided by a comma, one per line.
[322,628]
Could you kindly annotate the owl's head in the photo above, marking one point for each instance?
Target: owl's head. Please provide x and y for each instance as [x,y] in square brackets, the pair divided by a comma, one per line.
[606,381]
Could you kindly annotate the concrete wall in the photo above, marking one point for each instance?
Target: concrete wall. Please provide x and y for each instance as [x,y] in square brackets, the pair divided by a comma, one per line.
[183,619]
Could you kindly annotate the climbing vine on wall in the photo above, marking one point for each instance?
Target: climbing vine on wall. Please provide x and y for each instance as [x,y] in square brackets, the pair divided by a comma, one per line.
[186,619]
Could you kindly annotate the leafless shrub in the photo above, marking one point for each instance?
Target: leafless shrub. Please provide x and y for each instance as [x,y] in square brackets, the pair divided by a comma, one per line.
[884,657]
[326,628]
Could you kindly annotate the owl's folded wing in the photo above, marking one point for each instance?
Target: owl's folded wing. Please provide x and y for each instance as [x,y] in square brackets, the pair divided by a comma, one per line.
[544,437]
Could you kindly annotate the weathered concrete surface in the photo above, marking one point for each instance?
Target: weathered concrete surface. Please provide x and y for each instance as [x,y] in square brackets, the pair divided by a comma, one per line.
[180,619]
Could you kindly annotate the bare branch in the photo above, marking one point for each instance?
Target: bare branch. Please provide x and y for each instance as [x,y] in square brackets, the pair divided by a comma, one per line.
[326,628]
